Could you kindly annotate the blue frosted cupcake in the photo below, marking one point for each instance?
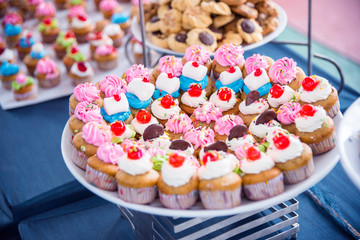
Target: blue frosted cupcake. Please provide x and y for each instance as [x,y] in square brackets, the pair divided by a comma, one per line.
[116,108]
[25,43]
[8,71]
[166,83]
[257,80]
[139,93]
[123,19]
[231,78]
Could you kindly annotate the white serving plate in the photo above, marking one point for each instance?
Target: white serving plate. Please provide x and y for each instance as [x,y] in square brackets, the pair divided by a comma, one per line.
[136,30]
[349,142]
[323,165]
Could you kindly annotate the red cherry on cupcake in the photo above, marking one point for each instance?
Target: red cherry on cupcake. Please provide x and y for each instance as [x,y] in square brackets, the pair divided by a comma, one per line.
[167,101]
[253,153]
[276,91]
[231,69]
[69,34]
[118,128]
[176,160]
[170,75]
[257,72]
[47,21]
[134,153]
[307,110]
[209,157]
[82,17]
[281,141]
[74,50]
[224,94]
[143,116]
[145,79]
[82,67]
[195,90]
[2,50]
[309,83]
[117,97]
[195,64]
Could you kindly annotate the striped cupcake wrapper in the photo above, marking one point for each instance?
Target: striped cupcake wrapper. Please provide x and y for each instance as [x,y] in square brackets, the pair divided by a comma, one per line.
[334,109]
[221,199]
[79,158]
[300,174]
[263,190]
[179,201]
[137,195]
[324,146]
[100,179]
[71,111]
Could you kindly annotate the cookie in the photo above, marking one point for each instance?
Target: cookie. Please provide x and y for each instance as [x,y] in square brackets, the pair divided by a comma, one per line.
[203,37]
[217,31]
[246,11]
[231,37]
[153,24]
[267,7]
[150,10]
[233,2]
[177,42]
[195,17]
[249,30]
[178,5]
[171,22]
[163,9]
[159,39]
[221,21]
[218,8]
[268,24]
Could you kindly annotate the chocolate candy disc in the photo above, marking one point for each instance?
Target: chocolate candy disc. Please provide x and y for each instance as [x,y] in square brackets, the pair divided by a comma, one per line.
[266,117]
[181,37]
[247,26]
[218,146]
[206,38]
[252,97]
[154,19]
[238,131]
[153,131]
[180,144]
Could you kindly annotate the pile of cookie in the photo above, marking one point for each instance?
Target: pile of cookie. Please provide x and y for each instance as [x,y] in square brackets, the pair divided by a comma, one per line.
[178,24]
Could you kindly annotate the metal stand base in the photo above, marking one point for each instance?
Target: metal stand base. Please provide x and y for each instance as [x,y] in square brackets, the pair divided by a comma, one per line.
[278,222]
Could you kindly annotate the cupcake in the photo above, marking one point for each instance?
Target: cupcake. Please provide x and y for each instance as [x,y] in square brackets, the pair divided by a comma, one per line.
[219,146]
[224,124]
[139,93]
[116,108]
[122,19]
[257,80]
[32,5]
[263,123]
[81,72]
[226,56]
[155,137]
[136,71]
[287,114]
[206,115]
[279,95]
[6,54]
[231,78]
[290,155]
[84,92]
[72,56]
[37,52]
[102,167]
[112,85]
[97,39]
[315,128]
[238,135]
[163,108]
[138,52]
[136,180]
[318,92]
[64,41]
[200,137]
[285,72]
[75,11]
[24,88]
[115,33]
[226,100]
[109,7]
[81,26]
[106,57]
[193,72]
[86,142]
[168,64]
[142,120]
[197,53]
[219,186]
[47,73]
[8,71]
[49,29]
[251,107]
[25,43]
[178,182]
[181,145]
[121,131]
[166,83]
[12,25]
[177,125]
[257,61]
[44,10]
[261,180]
[194,98]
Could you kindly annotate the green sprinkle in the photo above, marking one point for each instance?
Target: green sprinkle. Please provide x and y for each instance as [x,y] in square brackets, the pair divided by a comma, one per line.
[82,148]
[117,140]
[237,170]
[76,131]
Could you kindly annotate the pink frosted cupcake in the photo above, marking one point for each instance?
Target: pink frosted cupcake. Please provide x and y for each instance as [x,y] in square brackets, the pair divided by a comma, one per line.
[136,71]
[97,39]
[102,167]
[75,11]
[137,180]
[257,61]
[109,7]
[251,107]
[287,114]
[237,136]
[84,112]
[177,125]
[47,72]
[227,55]
[84,92]
[32,5]
[206,115]
[200,137]
[167,64]
[86,142]
[198,54]
[45,9]
[112,85]
[261,180]
[178,182]
[220,186]
[106,57]
[224,124]
[285,72]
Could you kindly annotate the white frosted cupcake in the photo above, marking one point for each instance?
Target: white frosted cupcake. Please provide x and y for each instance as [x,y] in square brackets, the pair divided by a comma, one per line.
[194,98]
[142,120]
[155,137]
[238,135]
[180,145]
[251,107]
[163,108]
[279,95]
[225,98]
[262,124]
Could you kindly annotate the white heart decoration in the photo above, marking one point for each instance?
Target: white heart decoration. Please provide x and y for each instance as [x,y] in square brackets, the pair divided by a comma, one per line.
[169,85]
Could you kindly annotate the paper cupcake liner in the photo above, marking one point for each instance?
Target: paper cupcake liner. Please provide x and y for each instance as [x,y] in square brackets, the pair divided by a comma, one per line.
[323,146]
[28,95]
[263,190]
[71,111]
[108,65]
[179,201]
[299,175]
[334,109]
[100,179]
[79,158]
[6,84]
[221,199]
[77,81]
[49,83]
[137,195]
